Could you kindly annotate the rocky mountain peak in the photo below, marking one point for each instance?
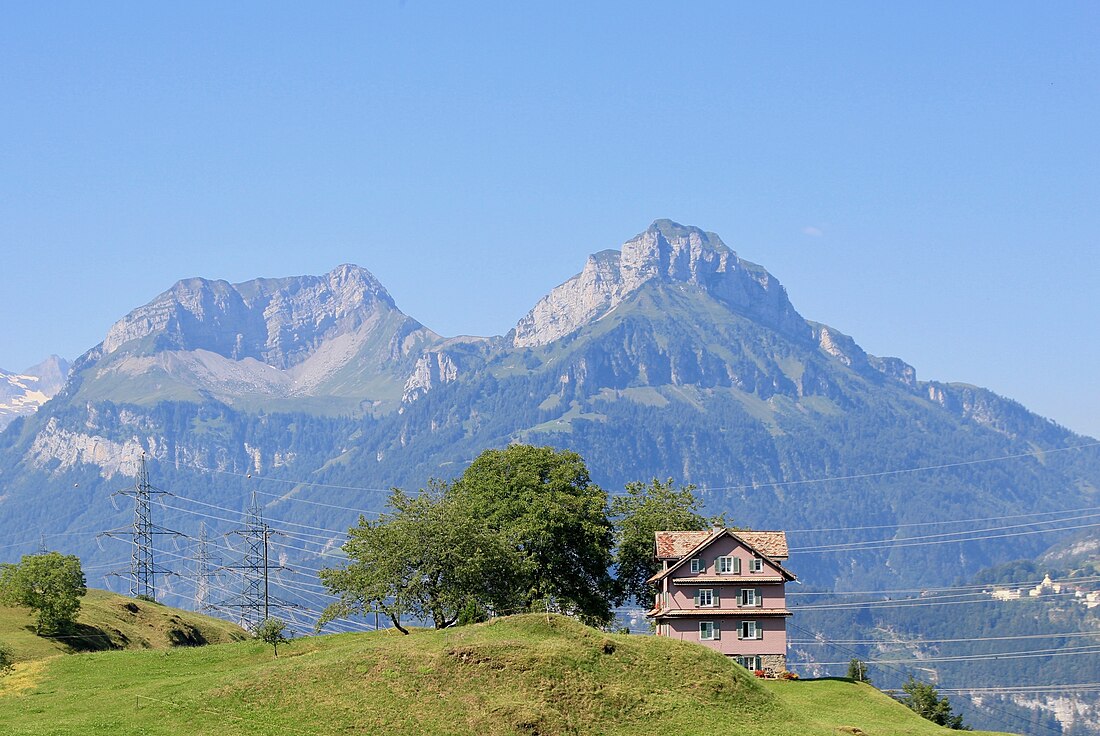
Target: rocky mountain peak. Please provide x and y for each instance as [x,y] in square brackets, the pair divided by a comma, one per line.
[22,393]
[665,252]
[276,321]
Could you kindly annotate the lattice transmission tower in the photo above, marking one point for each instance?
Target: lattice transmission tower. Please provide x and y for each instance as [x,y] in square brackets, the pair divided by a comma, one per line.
[143,567]
[255,601]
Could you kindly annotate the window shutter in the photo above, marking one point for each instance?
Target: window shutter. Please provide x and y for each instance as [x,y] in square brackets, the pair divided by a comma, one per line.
[759,598]
[717,601]
[717,630]
[696,599]
[736,565]
[759,631]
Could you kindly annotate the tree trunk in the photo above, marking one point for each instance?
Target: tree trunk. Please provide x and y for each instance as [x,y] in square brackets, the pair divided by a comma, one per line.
[397,625]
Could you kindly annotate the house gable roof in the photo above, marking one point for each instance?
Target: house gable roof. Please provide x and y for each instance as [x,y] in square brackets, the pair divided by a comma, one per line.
[673,540]
[674,545]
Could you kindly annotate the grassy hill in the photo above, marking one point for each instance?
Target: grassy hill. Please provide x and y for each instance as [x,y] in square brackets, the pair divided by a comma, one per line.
[520,675]
[110,621]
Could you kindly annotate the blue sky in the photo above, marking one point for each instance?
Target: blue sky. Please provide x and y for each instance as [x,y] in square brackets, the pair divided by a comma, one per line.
[925,178]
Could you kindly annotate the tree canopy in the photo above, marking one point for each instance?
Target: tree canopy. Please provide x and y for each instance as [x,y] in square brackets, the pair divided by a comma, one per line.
[923,698]
[51,584]
[644,509]
[430,558]
[544,504]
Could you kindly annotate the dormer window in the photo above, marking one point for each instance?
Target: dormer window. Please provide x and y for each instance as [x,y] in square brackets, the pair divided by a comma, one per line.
[756,565]
[697,565]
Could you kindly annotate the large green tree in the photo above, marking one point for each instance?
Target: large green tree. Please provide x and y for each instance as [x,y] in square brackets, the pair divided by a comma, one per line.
[430,558]
[646,508]
[925,700]
[51,584]
[544,504]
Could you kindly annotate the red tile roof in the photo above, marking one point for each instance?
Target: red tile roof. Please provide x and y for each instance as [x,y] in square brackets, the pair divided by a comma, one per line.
[677,544]
[773,544]
[674,545]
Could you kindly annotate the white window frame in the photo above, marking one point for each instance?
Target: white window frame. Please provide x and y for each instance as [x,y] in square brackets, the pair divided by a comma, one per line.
[750,630]
[756,564]
[709,597]
[697,564]
[722,562]
[749,597]
[711,627]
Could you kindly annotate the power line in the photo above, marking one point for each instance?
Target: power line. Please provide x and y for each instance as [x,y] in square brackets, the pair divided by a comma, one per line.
[911,642]
[900,525]
[889,667]
[883,473]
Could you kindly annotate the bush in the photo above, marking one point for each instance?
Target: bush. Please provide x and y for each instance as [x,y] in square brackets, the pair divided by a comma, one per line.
[7,661]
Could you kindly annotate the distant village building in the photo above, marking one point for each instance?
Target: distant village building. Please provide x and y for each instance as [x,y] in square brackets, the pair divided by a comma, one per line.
[1087,598]
[725,589]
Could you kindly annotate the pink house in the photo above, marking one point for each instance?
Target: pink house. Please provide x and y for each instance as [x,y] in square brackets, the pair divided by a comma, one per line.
[725,589]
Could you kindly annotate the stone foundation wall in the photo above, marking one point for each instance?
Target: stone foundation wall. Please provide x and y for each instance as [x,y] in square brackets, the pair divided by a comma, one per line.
[773,664]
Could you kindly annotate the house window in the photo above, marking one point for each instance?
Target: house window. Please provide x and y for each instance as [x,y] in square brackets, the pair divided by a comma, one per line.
[728,565]
[749,597]
[705,598]
[749,663]
[750,630]
[697,565]
[708,631]
[756,565]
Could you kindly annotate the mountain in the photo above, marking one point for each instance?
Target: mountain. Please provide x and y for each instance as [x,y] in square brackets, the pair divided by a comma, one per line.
[336,343]
[671,357]
[22,393]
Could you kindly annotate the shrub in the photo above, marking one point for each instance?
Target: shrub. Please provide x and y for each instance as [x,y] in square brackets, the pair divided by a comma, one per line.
[6,660]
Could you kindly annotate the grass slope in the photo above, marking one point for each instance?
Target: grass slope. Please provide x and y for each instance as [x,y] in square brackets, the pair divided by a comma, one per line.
[519,675]
[110,621]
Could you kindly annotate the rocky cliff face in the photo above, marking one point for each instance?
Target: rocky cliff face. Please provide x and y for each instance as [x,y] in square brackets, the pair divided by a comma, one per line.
[668,252]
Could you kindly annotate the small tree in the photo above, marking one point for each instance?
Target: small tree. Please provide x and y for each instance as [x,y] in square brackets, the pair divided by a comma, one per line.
[857,670]
[51,584]
[272,631]
[925,700]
